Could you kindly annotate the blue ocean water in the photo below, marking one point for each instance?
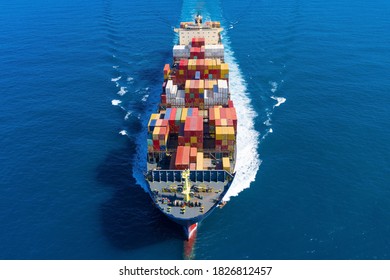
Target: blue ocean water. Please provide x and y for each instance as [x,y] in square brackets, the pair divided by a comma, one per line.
[311,80]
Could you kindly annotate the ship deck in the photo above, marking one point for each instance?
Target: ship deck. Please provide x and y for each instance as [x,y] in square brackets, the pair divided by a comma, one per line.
[204,196]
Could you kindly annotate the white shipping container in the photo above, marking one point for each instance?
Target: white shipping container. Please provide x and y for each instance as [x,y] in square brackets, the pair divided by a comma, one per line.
[180,51]
[214,51]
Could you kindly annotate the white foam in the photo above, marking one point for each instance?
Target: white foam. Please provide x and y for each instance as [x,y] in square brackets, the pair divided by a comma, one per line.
[145,97]
[269,131]
[128,114]
[116,79]
[122,91]
[130,79]
[267,122]
[280,100]
[274,86]
[123,132]
[248,160]
[115,66]
[116,102]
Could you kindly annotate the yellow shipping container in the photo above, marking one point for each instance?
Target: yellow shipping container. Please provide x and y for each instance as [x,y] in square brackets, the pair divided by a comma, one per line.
[181,72]
[184,113]
[187,86]
[218,133]
[212,64]
[224,66]
[206,71]
[156,132]
[226,164]
[199,161]
[207,63]
[193,139]
[230,132]
[226,133]
[201,86]
[187,144]
[192,64]
[199,165]
[153,117]
[217,113]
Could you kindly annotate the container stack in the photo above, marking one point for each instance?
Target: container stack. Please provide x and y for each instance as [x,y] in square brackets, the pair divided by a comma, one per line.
[214,51]
[170,90]
[194,93]
[213,24]
[188,112]
[219,116]
[182,160]
[198,42]
[173,115]
[197,53]
[193,132]
[184,24]
[223,127]
[180,52]
[224,138]
[208,69]
[160,138]
[224,71]
[158,132]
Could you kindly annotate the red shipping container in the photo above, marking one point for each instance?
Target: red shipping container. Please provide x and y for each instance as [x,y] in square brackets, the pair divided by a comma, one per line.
[183,64]
[182,160]
[156,145]
[181,141]
[198,42]
[163,98]
[193,152]
[230,104]
[163,132]
[193,124]
[222,113]
[172,119]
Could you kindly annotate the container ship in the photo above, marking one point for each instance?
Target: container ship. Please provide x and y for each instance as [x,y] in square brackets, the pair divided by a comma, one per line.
[192,137]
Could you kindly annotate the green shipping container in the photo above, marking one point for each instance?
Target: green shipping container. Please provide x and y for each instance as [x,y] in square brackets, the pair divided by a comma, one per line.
[178,116]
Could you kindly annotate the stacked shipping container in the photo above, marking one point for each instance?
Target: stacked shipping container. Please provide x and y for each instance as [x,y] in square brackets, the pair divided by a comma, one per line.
[200,80]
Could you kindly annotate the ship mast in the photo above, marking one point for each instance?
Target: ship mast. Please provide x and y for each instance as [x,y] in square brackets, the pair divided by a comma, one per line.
[186,184]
